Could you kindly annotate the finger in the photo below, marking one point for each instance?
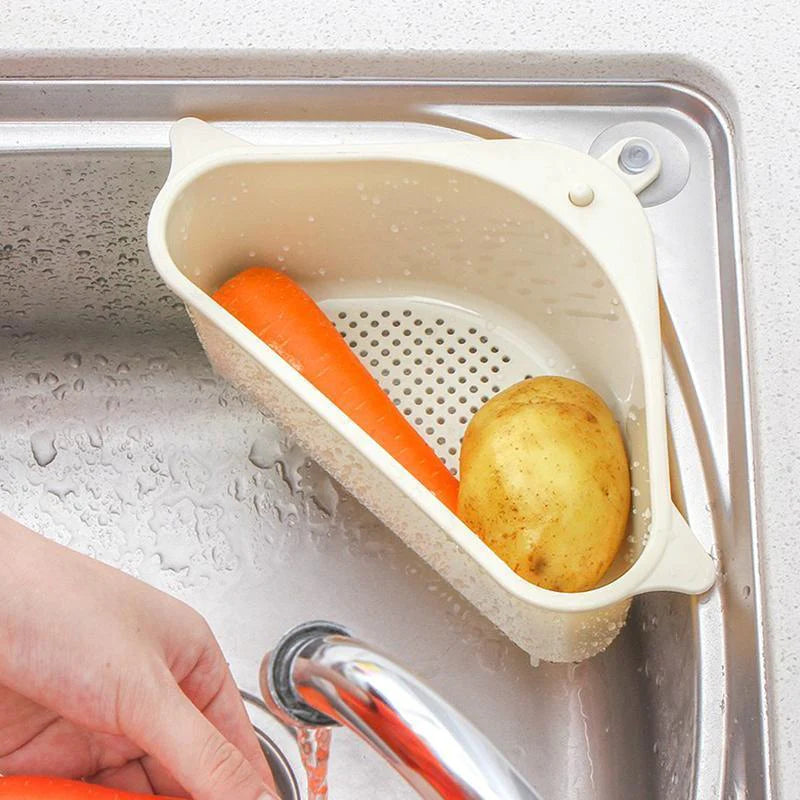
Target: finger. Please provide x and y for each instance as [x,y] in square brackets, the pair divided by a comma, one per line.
[66,750]
[227,713]
[161,779]
[211,687]
[173,730]
[130,777]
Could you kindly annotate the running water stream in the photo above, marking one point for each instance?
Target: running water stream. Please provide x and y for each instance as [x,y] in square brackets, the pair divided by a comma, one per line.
[315,749]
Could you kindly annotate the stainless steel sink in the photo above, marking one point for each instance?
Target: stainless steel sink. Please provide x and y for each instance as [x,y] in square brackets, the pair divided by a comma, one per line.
[118,439]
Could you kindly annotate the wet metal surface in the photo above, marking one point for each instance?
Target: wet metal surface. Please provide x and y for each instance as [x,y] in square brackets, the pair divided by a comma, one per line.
[119,441]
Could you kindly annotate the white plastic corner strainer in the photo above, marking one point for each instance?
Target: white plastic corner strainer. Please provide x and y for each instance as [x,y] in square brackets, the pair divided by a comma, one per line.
[453,270]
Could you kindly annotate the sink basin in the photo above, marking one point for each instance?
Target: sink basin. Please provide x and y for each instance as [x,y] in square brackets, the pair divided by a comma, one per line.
[121,442]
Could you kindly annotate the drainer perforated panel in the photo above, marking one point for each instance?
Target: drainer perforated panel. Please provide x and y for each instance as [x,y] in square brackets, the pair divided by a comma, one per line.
[438,363]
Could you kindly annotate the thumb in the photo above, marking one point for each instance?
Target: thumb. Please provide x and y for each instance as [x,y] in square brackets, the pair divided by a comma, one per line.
[198,756]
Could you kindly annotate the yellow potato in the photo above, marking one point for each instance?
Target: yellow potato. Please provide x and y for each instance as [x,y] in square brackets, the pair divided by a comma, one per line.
[545,482]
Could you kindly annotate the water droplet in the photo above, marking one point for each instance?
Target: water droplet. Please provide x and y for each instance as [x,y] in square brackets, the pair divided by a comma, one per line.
[746,590]
[73,359]
[394,228]
[60,391]
[264,453]
[43,447]
[95,437]
[311,218]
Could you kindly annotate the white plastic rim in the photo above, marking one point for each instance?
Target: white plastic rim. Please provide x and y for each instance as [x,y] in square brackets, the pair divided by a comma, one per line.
[672,558]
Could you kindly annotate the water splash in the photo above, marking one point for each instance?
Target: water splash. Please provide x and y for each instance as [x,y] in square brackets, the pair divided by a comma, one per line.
[315,750]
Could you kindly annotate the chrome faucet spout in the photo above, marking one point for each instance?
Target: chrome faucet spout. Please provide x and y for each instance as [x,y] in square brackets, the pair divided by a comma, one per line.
[320,675]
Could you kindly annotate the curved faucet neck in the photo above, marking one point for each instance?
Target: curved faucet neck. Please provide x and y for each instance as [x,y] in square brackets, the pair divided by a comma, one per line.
[322,675]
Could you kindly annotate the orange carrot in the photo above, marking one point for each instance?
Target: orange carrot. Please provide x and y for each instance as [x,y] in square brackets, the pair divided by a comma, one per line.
[280,313]
[41,788]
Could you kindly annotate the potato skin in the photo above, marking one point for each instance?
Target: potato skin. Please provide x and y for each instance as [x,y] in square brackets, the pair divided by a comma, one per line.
[545,482]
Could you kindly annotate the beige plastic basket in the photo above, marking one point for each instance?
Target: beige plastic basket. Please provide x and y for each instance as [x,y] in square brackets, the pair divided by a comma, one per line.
[453,270]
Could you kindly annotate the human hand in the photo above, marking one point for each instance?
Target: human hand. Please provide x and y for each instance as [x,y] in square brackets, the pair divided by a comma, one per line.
[106,678]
